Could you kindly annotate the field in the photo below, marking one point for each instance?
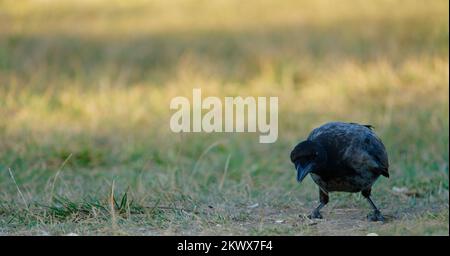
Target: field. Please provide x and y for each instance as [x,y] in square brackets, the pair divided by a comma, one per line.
[85,88]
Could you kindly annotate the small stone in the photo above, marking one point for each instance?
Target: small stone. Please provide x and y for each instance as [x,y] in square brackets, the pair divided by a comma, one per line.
[400,190]
[253,206]
[44,233]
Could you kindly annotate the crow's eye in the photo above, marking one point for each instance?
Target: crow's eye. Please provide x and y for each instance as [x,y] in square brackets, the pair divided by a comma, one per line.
[310,157]
[306,159]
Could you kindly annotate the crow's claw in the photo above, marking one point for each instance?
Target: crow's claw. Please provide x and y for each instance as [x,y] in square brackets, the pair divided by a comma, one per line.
[315,215]
[375,216]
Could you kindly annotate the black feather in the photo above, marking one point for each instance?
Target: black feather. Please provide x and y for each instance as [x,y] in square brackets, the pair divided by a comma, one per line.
[366,125]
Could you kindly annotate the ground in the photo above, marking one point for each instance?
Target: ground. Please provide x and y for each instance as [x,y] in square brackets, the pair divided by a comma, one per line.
[85,87]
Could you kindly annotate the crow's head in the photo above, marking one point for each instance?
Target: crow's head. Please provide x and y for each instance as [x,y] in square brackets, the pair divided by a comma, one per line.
[308,157]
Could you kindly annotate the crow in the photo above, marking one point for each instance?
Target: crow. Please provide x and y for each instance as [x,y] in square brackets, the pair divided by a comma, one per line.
[346,157]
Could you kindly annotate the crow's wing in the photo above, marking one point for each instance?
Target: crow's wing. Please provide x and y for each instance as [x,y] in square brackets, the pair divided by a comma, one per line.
[353,145]
[366,152]
[376,149]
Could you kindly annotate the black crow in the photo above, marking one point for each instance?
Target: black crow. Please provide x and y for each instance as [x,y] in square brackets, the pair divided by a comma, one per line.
[342,157]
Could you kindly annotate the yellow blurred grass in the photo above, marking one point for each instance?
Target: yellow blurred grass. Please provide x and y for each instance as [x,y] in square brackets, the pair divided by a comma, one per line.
[349,90]
[102,17]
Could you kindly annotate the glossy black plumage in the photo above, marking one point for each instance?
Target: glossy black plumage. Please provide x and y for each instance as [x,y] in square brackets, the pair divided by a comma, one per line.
[342,157]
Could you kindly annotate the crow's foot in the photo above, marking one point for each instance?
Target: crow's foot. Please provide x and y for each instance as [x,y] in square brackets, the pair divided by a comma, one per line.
[315,215]
[375,216]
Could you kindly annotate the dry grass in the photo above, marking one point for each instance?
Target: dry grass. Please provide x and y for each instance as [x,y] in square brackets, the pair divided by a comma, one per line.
[85,88]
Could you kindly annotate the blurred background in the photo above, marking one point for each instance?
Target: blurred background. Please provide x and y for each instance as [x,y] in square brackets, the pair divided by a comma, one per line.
[85,88]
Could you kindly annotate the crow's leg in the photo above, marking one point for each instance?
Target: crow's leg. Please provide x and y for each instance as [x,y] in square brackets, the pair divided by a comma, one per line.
[376,214]
[323,196]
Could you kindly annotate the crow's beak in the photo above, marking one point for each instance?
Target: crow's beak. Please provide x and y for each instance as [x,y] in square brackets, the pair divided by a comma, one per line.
[302,171]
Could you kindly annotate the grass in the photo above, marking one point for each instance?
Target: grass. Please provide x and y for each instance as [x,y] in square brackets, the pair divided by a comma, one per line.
[85,87]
